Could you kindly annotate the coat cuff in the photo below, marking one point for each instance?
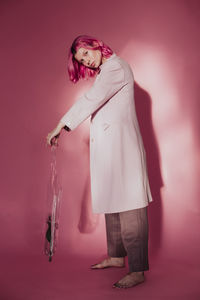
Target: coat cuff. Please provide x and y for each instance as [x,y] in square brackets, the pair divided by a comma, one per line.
[67,128]
[66,121]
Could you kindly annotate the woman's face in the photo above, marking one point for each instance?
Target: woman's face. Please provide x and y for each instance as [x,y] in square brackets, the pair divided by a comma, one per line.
[89,57]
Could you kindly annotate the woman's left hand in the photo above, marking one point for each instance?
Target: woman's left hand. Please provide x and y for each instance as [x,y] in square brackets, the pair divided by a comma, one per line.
[52,137]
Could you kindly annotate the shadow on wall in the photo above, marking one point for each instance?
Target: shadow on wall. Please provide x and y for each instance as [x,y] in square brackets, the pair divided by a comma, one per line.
[143,110]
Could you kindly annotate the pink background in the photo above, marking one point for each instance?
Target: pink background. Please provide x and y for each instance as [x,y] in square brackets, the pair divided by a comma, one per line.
[160,40]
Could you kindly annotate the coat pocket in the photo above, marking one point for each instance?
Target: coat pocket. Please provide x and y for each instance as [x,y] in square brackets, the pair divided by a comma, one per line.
[106,126]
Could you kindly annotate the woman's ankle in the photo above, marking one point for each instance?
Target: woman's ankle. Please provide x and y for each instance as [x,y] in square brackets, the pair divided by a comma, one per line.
[118,259]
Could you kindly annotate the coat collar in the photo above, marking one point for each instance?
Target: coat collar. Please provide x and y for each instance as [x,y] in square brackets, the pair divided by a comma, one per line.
[108,59]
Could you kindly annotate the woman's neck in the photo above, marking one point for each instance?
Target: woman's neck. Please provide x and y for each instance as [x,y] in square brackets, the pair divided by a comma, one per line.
[103,59]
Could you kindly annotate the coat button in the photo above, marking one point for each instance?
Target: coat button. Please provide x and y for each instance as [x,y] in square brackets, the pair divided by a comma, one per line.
[92,139]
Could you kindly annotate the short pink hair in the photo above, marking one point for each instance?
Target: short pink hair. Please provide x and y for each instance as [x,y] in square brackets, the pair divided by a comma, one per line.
[77,70]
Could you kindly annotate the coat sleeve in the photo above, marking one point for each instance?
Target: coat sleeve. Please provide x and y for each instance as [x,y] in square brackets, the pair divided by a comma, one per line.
[110,81]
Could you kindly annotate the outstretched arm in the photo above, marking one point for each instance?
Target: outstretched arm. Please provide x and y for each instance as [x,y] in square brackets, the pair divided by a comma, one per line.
[109,82]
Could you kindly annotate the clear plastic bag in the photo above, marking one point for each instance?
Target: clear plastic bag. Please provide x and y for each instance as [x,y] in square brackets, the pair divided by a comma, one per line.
[54,193]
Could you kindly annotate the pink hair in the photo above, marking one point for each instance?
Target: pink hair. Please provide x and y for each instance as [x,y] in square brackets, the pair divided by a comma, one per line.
[77,70]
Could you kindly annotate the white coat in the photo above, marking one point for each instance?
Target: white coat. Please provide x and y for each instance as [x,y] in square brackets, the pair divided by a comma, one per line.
[119,180]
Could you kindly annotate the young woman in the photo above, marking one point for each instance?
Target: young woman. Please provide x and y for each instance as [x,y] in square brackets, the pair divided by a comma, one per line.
[119,181]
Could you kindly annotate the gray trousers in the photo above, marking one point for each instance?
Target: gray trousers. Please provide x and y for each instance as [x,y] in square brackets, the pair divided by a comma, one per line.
[127,234]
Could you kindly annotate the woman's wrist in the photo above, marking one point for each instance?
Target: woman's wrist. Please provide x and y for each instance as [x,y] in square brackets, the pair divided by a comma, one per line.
[60,125]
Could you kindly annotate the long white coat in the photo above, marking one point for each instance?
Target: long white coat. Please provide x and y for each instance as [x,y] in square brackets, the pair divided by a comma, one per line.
[119,180]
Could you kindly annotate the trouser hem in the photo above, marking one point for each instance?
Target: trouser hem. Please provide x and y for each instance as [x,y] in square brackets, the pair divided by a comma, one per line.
[138,269]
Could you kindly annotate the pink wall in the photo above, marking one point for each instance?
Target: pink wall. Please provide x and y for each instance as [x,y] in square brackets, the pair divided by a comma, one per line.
[160,39]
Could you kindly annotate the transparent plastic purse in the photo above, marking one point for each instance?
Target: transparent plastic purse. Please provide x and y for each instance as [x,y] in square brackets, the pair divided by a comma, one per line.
[54,194]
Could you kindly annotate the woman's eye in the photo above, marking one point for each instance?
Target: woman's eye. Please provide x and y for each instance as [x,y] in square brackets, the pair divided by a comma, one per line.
[86,52]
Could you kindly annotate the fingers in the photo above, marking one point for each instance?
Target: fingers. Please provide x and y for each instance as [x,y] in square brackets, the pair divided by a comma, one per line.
[48,141]
[57,136]
[52,137]
[52,141]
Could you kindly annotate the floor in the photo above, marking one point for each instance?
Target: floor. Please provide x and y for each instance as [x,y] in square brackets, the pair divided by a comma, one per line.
[24,277]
